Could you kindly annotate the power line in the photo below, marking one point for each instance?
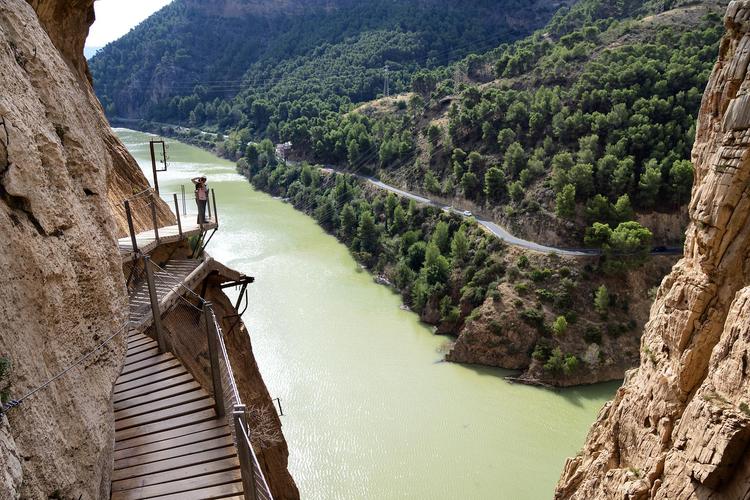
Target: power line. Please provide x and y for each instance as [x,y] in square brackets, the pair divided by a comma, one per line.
[446,57]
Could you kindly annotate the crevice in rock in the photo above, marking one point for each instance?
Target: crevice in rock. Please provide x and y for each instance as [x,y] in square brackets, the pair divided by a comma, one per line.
[60,131]
[20,203]
[19,56]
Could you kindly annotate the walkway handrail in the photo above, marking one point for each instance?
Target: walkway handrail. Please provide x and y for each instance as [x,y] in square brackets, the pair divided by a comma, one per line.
[147,195]
[225,391]
[253,479]
[224,356]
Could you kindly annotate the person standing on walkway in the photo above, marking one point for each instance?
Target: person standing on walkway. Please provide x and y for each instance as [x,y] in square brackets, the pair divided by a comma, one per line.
[201,197]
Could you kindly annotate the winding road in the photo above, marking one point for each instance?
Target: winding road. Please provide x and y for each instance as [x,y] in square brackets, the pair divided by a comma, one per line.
[496,229]
[500,232]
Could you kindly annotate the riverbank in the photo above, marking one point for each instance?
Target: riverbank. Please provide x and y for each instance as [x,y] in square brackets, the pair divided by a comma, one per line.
[504,306]
[207,141]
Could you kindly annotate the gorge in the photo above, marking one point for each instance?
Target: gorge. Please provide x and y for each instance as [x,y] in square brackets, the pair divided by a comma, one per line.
[370,410]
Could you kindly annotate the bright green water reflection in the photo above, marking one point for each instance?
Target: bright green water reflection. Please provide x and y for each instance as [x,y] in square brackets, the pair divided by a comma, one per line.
[370,411]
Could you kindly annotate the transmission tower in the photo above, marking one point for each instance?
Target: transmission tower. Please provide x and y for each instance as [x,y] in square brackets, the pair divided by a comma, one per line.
[386,84]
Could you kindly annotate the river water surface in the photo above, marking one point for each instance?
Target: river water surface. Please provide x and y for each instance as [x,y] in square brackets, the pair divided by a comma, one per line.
[370,412]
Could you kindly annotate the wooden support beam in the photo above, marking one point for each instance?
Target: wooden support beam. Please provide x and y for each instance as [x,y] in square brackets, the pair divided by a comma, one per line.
[213,355]
[177,211]
[156,313]
[131,227]
[153,219]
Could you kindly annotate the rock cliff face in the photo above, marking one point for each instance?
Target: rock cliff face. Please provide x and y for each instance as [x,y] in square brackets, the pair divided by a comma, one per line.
[680,425]
[503,333]
[63,291]
[63,177]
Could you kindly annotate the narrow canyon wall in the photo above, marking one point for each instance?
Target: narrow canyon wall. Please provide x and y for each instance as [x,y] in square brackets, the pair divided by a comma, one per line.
[62,173]
[680,425]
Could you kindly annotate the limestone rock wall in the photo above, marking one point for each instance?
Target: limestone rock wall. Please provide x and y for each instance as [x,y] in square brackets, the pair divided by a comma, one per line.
[680,425]
[62,173]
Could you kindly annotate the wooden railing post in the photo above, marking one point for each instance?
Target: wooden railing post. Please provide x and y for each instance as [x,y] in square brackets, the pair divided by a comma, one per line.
[131,227]
[247,467]
[154,304]
[216,210]
[208,204]
[177,211]
[153,165]
[213,356]
[153,218]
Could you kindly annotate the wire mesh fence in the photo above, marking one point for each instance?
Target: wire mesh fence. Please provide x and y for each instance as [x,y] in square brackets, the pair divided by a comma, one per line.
[194,334]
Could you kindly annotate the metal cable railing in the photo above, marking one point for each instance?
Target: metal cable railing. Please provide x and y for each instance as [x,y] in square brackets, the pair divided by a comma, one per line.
[78,363]
[254,480]
[191,325]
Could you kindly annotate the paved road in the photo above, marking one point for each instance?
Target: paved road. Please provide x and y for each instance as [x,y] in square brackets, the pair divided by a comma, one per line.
[496,229]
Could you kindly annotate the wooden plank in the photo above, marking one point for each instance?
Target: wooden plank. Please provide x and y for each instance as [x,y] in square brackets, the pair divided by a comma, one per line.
[174,475]
[174,463]
[161,404]
[155,395]
[207,493]
[185,486]
[143,347]
[164,425]
[185,430]
[139,342]
[136,337]
[147,363]
[178,451]
[141,356]
[170,378]
[131,381]
[165,414]
[166,444]
[150,370]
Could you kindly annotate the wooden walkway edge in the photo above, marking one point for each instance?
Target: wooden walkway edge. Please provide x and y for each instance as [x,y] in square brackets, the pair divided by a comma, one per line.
[169,443]
[147,241]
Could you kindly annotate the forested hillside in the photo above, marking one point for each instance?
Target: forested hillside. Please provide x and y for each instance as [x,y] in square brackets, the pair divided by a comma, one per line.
[578,132]
[576,135]
[255,66]
[586,125]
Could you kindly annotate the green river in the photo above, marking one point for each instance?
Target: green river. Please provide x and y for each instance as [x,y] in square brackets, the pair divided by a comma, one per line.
[370,411]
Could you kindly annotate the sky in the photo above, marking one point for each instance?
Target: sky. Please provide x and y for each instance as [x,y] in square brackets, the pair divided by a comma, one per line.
[114,18]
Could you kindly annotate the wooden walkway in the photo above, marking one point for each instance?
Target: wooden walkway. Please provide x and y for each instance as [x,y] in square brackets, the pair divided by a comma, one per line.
[169,442]
[147,241]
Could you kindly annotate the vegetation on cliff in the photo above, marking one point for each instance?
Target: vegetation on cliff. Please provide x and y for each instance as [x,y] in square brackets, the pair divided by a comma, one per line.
[565,135]
[574,132]
[680,427]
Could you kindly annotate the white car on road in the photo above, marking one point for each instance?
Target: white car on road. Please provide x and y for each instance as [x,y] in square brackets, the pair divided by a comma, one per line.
[467,213]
